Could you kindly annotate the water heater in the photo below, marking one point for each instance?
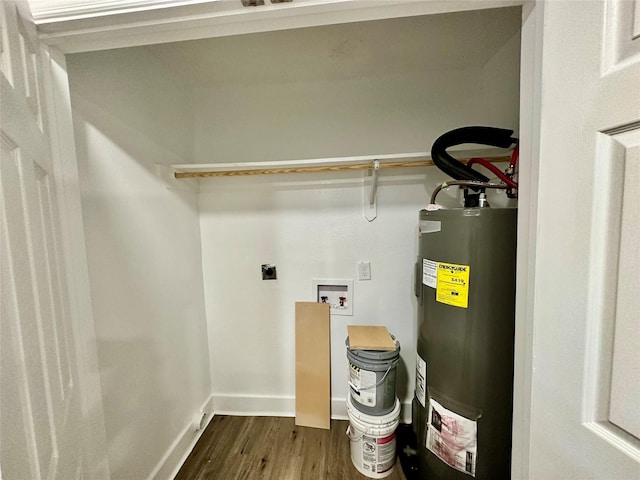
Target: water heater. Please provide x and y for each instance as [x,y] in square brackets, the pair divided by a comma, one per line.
[465,288]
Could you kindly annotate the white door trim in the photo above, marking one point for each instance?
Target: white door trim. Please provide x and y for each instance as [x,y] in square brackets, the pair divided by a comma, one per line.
[530,118]
[73,241]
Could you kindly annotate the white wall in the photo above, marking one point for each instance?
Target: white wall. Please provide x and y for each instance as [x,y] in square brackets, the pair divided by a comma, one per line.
[312,226]
[385,113]
[143,243]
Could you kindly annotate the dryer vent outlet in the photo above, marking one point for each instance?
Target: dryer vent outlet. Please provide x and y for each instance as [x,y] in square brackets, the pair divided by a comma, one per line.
[269,272]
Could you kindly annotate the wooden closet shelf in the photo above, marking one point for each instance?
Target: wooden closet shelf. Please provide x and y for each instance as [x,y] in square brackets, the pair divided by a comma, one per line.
[301,168]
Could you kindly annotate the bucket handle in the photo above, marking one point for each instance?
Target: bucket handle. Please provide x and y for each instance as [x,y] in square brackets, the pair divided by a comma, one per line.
[379,382]
[355,439]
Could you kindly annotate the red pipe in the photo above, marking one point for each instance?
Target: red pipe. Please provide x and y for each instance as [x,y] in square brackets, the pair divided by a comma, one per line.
[495,170]
[514,159]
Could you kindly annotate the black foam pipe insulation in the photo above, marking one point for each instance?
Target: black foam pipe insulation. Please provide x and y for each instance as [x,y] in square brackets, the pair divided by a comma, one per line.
[495,137]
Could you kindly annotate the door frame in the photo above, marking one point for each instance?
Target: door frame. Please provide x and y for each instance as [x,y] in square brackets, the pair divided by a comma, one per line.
[65,168]
[528,186]
[130,23]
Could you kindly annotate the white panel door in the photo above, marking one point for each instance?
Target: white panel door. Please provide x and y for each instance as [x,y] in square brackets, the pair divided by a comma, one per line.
[43,431]
[585,410]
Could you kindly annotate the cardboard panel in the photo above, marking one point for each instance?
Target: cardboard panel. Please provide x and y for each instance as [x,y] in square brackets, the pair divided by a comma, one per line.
[313,365]
[363,337]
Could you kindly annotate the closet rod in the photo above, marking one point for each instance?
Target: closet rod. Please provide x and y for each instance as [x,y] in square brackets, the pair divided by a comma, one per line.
[322,168]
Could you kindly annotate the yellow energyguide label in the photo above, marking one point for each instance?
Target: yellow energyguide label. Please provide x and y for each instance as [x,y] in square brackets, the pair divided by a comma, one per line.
[452,284]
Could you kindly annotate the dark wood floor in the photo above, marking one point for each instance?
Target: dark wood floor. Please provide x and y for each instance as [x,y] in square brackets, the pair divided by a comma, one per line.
[247,448]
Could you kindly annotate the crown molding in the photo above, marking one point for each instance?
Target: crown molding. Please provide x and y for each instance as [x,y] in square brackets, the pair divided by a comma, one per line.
[81,26]
[58,11]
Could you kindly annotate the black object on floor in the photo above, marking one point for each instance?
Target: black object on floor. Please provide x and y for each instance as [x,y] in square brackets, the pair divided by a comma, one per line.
[407,446]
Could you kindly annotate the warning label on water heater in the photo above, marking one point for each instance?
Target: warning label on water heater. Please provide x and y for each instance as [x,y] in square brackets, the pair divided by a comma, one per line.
[421,380]
[452,284]
[452,438]
[429,272]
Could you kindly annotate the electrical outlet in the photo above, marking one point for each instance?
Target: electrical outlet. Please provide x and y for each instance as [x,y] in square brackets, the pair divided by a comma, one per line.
[364,270]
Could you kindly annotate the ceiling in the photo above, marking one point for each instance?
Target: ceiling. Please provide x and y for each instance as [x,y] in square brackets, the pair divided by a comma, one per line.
[381,47]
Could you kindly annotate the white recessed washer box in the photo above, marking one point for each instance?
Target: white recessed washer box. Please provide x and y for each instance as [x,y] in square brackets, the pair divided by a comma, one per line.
[337,292]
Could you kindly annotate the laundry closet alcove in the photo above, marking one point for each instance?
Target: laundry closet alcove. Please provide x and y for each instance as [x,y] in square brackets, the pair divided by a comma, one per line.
[183,319]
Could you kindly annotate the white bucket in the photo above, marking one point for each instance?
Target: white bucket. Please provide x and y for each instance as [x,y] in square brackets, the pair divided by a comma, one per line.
[373,440]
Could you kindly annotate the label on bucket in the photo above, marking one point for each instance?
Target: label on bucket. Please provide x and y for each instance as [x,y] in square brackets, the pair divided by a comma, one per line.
[452,438]
[379,454]
[363,386]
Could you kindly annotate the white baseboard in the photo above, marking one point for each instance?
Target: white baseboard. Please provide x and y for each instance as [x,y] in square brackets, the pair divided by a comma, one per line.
[254,405]
[177,453]
[339,409]
[263,406]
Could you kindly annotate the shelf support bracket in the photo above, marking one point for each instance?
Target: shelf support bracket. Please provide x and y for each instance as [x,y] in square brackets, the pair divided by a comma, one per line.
[370,209]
